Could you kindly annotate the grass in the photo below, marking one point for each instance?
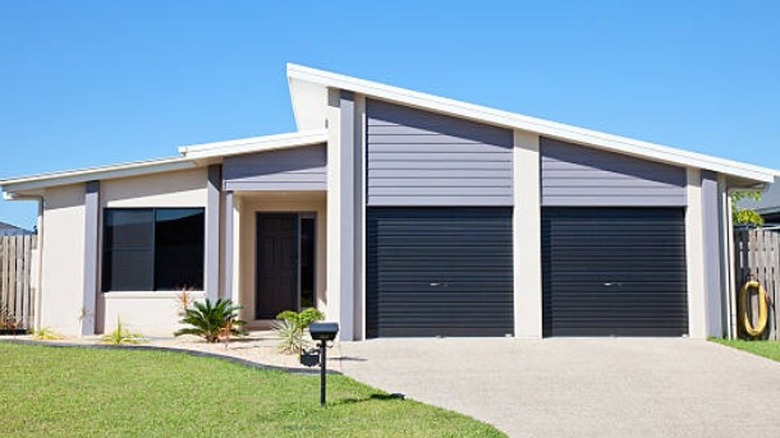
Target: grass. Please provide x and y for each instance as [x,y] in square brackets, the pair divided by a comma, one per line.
[768,349]
[48,391]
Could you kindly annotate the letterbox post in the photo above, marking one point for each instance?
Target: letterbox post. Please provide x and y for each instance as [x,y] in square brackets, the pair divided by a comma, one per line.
[323,370]
[323,332]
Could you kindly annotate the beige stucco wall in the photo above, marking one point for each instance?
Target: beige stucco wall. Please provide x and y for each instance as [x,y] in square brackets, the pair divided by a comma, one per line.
[288,202]
[62,272]
[186,188]
[150,313]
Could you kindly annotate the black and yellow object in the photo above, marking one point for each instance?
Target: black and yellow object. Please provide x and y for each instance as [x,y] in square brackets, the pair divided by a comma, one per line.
[744,319]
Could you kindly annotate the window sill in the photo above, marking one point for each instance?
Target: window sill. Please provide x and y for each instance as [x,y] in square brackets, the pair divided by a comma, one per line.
[125,295]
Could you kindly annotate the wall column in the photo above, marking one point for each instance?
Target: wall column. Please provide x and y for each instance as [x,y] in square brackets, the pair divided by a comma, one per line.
[91,247]
[211,247]
[227,285]
[359,230]
[527,236]
[694,251]
[346,188]
[713,244]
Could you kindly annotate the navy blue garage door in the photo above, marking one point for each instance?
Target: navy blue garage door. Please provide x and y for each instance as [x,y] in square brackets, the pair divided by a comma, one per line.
[614,271]
[439,272]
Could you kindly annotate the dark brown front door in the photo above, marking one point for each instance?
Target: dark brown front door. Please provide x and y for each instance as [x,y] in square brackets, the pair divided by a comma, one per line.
[277,264]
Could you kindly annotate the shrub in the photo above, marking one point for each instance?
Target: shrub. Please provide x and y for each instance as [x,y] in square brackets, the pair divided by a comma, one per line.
[212,321]
[8,320]
[291,326]
[122,335]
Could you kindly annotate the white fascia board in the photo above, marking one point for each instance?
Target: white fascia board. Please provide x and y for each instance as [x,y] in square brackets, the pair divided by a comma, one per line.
[507,119]
[254,144]
[96,173]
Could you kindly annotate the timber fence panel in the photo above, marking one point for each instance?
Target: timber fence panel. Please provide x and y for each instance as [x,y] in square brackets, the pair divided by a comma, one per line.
[757,257]
[16,289]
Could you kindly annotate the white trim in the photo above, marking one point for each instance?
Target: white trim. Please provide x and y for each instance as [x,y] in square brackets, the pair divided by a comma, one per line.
[517,121]
[731,294]
[254,144]
[95,173]
[166,295]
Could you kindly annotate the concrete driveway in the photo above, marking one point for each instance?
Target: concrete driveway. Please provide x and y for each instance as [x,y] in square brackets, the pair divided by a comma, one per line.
[581,387]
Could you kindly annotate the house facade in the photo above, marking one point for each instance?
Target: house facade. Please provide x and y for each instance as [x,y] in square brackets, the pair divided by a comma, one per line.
[398,214]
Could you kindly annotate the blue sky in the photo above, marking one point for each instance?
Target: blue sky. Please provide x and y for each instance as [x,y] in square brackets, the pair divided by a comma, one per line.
[84,83]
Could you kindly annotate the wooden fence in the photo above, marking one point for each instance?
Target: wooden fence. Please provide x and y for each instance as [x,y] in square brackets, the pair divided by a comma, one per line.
[16,271]
[757,257]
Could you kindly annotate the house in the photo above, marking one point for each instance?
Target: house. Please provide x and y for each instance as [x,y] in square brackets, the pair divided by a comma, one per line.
[13,230]
[768,206]
[398,214]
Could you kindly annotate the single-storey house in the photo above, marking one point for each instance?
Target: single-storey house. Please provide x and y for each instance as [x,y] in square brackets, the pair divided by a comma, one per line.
[398,214]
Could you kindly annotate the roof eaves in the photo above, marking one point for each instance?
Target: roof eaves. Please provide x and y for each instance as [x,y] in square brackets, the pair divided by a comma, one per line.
[545,127]
[95,173]
[254,144]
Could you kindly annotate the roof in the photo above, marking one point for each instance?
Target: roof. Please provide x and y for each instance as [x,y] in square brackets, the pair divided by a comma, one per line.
[255,144]
[308,89]
[12,230]
[309,94]
[88,174]
[191,156]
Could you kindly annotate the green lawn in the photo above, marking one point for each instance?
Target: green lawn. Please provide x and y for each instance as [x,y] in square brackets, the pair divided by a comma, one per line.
[769,349]
[48,391]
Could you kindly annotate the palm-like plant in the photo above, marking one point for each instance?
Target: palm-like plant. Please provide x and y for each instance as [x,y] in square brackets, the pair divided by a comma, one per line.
[291,327]
[212,321]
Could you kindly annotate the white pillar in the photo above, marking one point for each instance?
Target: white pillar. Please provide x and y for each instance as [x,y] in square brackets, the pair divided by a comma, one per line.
[527,236]
[694,250]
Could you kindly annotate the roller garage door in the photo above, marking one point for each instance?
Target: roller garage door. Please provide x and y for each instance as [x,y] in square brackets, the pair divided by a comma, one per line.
[614,271]
[439,272]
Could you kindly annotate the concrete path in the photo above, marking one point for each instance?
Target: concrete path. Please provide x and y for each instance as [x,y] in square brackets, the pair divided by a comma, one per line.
[581,387]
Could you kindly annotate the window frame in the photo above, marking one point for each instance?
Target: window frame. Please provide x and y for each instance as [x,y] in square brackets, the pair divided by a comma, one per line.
[104,250]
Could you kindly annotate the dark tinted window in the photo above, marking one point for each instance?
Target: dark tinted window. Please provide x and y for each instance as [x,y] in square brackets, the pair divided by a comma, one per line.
[178,249]
[153,249]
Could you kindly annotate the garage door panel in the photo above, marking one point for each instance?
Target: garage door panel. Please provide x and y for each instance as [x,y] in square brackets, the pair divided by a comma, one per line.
[614,271]
[439,272]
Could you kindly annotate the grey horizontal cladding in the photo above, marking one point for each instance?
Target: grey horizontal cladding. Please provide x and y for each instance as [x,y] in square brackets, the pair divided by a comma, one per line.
[418,158]
[432,165]
[439,200]
[574,175]
[302,168]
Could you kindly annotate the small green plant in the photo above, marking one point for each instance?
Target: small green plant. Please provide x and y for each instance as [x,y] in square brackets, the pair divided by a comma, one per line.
[46,334]
[212,321]
[291,327]
[122,335]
